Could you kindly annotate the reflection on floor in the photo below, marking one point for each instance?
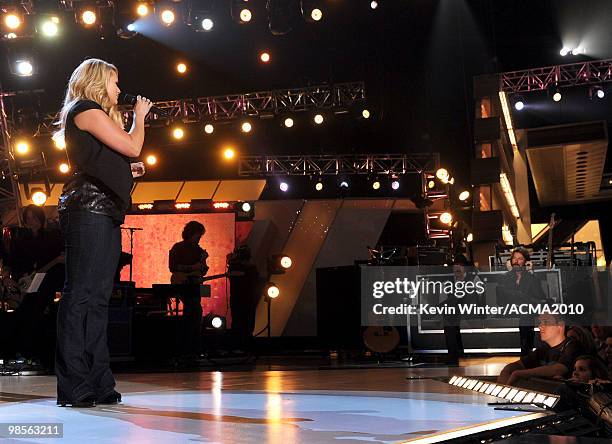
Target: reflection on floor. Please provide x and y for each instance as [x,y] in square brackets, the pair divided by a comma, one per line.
[310,406]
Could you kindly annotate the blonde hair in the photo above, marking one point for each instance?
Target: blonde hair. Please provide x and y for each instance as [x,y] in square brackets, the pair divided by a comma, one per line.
[88,82]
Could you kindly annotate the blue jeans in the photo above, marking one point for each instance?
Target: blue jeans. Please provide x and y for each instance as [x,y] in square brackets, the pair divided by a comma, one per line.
[82,364]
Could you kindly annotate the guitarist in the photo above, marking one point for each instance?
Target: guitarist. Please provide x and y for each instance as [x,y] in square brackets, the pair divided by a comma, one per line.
[188,260]
[34,247]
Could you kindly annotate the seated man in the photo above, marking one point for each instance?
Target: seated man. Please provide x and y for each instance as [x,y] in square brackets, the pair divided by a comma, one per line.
[554,359]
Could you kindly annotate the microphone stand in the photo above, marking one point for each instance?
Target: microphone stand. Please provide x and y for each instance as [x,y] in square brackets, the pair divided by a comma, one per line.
[131,230]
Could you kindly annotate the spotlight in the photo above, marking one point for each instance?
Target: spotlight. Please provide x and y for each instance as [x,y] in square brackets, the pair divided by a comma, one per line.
[64,168]
[286,262]
[207,24]
[442,175]
[208,128]
[246,127]
[22,148]
[167,17]
[318,119]
[245,15]
[395,185]
[376,185]
[216,322]
[39,197]
[344,184]
[557,96]
[12,21]
[143,10]
[519,105]
[373,4]
[431,184]
[272,291]
[288,122]
[319,185]
[316,14]
[131,27]
[564,51]
[11,35]
[178,133]
[284,187]
[151,160]
[599,92]
[60,143]
[229,153]
[49,27]
[246,207]
[181,68]
[264,57]
[365,114]
[24,68]
[89,17]
[446,218]
[464,195]
[469,237]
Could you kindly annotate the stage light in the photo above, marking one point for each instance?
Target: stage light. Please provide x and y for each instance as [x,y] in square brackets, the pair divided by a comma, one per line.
[442,175]
[182,205]
[245,15]
[39,197]
[431,184]
[207,24]
[167,17]
[286,262]
[519,105]
[178,133]
[64,168]
[246,127]
[469,237]
[246,207]
[145,206]
[464,195]
[264,57]
[316,14]
[344,184]
[288,122]
[59,142]
[564,51]
[373,4]
[221,205]
[319,186]
[181,68]
[376,185]
[284,187]
[11,35]
[89,17]
[12,21]
[365,114]
[229,153]
[24,68]
[395,185]
[49,27]
[208,128]
[599,92]
[151,160]
[557,96]
[131,27]
[22,147]
[142,10]
[318,119]
[272,291]
[216,322]
[446,218]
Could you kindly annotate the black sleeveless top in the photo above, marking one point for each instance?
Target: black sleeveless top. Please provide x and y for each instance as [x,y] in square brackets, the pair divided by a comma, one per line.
[102,179]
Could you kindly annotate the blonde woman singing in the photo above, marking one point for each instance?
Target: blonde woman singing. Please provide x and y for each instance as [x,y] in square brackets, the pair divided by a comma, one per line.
[92,208]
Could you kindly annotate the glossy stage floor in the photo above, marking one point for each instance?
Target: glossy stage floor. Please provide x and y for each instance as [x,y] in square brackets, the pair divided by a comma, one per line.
[265,405]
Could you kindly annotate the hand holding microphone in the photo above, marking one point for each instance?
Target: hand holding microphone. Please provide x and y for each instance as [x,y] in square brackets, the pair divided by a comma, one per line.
[142,105]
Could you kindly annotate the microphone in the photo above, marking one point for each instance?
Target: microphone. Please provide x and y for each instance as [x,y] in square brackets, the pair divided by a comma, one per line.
[130,99]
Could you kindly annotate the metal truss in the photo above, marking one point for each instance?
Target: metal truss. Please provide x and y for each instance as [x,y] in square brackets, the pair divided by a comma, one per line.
[305,165]
[339,96]
[574,74]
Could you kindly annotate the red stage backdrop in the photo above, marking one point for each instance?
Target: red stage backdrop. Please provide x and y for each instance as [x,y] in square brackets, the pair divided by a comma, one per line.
[161,231]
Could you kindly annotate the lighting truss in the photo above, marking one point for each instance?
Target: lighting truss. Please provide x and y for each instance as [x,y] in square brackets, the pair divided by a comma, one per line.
[574,74]
[305,165]
[339,96]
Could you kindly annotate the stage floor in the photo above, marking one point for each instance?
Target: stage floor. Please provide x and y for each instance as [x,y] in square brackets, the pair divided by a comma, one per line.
[264,406]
